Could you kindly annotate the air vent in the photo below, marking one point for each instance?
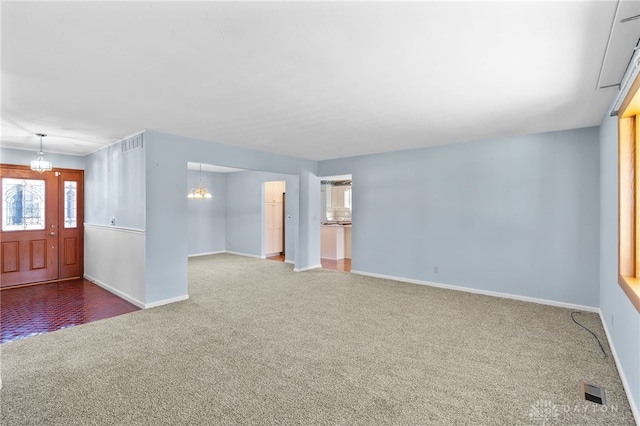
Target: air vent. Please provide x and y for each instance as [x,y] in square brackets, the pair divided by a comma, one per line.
[593,393]
[335,182]
[131,144]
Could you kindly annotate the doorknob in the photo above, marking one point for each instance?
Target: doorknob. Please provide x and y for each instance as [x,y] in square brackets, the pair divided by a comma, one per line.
[53,234]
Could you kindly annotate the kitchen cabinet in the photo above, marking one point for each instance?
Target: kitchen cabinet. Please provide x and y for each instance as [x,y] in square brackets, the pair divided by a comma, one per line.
[347,241]
[273,228]
[273,191]
[335,242]
[274,217]
[336,202]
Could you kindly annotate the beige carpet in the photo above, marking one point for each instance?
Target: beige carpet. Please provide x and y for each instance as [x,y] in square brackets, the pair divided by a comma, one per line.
[259,344]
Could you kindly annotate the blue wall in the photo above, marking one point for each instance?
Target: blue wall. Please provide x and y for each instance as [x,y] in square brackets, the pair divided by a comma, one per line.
[309,254]
[514,215]
[532,216]
[166,204]
[115,187]
[207,218]
[245,212]
[19,156]
[145,189]
[233,220]
[621,317]
[114,182]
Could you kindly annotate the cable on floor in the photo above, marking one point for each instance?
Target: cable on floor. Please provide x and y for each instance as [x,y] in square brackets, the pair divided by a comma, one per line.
[592,333]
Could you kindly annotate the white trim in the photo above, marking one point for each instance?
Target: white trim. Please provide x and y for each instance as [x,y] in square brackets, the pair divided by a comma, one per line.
[165,301]
[308,268]
[244,254]
[623,378]
[207,253]
[484,292]
[115,228]
[117,292]
[627,80]
[237,253]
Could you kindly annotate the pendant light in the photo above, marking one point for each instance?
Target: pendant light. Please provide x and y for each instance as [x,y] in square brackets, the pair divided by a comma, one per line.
[199,193]
[41,165]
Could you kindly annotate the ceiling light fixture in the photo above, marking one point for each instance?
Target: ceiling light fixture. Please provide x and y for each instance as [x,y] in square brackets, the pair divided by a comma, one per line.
[41,165]
[199,193]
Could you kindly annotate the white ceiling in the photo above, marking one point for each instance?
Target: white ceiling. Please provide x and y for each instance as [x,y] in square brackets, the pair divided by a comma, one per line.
[316,80]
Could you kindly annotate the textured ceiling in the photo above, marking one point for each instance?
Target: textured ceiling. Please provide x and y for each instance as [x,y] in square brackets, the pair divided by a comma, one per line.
[315,80]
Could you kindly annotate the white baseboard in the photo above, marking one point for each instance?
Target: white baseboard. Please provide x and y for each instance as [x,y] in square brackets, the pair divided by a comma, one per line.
[623,378]
[132,300]
[625,383]
[115,228]
[237,253]
[244,254]
[308,268]
[117,292]
[483,292]
[207,253]
[166,301]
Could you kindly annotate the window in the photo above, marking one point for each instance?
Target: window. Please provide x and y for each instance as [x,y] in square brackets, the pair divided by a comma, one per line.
[337,201]
[347,198]
[70,204]
[629,194]
[22,204]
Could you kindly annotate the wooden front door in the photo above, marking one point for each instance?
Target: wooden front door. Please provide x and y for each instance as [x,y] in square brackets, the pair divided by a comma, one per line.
[42,225]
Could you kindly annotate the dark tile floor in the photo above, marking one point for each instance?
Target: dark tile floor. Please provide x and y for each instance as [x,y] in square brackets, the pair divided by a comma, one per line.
[38,309]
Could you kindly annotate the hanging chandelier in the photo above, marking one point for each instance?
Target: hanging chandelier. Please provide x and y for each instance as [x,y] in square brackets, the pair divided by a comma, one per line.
[199,193]
[41,165]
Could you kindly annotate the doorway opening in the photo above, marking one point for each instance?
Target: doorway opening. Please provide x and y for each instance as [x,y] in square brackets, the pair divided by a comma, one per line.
[274,220]
[336,222]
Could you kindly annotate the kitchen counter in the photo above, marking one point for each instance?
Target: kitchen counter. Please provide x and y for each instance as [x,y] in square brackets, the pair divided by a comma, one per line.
[335,240]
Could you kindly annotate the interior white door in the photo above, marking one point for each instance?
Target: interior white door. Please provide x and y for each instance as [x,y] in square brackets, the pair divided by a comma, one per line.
[273,217]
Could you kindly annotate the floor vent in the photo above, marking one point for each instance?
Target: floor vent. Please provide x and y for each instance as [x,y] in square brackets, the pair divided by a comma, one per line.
[593,393]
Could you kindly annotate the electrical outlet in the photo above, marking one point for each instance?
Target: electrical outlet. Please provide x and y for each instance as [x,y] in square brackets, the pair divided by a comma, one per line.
[436,269]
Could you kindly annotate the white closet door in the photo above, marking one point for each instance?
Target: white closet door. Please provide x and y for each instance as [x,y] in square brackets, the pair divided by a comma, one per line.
[273,216]
[277,227]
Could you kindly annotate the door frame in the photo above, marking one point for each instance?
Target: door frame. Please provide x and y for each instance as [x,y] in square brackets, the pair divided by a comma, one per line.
[59,173]
[283,221]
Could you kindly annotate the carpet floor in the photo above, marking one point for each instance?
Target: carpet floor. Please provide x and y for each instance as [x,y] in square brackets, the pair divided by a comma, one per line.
[257,343]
